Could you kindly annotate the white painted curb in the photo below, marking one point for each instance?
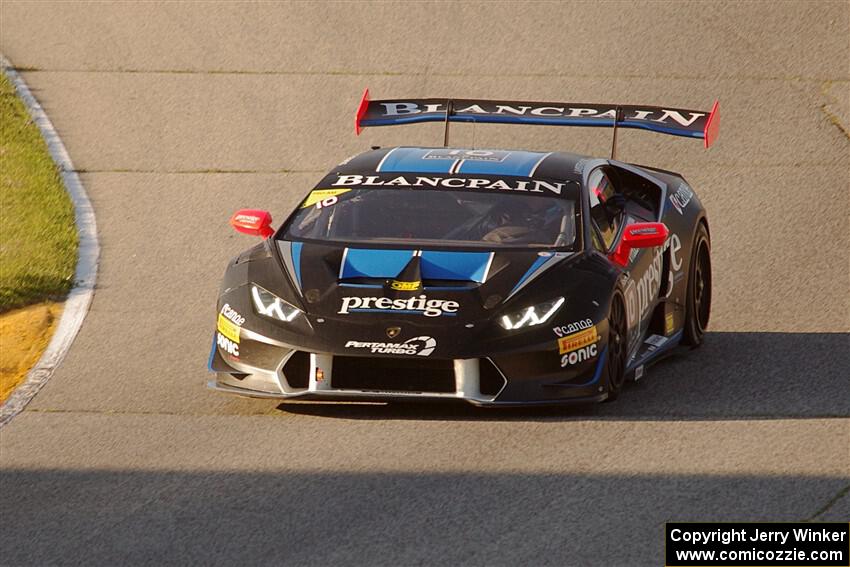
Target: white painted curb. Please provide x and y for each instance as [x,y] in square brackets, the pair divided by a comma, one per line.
[77,304]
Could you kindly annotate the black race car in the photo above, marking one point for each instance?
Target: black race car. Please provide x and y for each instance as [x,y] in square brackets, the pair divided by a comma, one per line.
[493,276]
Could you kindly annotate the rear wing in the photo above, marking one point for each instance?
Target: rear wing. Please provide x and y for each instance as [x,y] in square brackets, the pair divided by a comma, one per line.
[673,121]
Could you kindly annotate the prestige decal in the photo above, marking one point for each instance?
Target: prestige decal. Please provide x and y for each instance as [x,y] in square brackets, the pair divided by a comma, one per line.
[419,346]
[681,198]
[580,355]
[661,116]
[534,185]
[420,305]
[641,294]
[675,244]
[565,330]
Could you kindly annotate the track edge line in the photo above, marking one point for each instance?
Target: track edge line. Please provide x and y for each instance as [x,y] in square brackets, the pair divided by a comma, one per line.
[88,253]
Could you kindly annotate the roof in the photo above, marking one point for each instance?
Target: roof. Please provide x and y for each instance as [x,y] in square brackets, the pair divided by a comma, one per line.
[464,162]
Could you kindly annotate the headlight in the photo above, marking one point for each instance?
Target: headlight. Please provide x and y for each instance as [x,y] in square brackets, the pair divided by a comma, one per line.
[535,315]
[269,305]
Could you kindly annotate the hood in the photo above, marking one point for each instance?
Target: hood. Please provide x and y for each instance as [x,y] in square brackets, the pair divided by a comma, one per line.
[336,281]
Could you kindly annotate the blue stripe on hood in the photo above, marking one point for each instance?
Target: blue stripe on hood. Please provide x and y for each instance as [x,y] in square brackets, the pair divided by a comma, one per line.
[465,266]
[371,263]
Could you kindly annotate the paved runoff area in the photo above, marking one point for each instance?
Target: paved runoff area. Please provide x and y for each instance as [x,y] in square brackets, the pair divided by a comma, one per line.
[178,114]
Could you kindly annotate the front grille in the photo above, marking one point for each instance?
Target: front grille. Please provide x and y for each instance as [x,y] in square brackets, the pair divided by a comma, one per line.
[393,374]
[297,370]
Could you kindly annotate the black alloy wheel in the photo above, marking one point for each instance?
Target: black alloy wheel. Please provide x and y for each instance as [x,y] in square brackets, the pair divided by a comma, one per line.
[615,364]
[699,290]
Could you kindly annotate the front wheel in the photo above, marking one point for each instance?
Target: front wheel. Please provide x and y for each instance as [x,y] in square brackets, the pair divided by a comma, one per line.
[698,307]
[615,363]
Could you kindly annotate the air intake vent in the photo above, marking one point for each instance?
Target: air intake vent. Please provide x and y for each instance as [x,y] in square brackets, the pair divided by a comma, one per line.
[297,370]
[491,379]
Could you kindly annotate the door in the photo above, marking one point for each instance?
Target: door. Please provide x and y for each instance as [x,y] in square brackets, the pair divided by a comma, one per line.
[616,201]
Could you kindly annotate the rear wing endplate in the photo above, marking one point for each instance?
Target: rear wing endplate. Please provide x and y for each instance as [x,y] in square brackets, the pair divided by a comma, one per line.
[673,121]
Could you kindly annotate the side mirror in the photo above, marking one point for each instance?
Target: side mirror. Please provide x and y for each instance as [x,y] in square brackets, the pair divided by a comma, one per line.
[639,235]
[252,222]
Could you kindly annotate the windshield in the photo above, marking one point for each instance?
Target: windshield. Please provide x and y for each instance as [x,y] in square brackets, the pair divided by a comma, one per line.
[447,218]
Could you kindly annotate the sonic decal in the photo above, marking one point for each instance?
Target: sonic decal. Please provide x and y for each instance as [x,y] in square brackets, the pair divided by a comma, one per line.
[579,355]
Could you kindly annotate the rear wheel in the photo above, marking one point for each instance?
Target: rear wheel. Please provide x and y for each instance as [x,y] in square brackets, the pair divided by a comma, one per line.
[615,363]
[699,290]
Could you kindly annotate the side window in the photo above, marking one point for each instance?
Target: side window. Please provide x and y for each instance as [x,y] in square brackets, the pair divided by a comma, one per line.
[605,217]
[643,198]
[597,241]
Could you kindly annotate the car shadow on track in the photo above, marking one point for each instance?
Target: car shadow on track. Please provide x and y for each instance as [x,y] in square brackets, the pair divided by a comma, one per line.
[291,517]
[733,376]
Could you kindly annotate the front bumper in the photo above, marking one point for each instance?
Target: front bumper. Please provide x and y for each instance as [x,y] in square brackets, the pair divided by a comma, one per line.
[321,383]
[282,371]
[277,370]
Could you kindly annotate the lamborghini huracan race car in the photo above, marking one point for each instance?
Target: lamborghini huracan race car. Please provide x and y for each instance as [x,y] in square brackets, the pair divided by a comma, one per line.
[498,277]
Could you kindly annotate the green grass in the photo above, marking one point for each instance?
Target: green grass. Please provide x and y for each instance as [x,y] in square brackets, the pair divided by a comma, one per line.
[38,238]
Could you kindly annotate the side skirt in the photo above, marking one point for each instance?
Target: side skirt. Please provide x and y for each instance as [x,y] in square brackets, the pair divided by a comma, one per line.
[651,353]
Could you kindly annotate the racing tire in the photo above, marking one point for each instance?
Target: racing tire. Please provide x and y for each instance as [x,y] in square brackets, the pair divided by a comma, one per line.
[698,306]
[618,346]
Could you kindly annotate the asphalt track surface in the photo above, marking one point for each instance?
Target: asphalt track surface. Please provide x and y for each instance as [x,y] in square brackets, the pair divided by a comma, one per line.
[176,115]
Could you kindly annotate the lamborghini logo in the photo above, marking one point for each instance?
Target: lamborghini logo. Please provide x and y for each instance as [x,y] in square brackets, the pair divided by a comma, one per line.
[393,332]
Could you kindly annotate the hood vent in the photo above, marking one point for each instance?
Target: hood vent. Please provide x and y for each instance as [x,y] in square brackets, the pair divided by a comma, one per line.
[411,270]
